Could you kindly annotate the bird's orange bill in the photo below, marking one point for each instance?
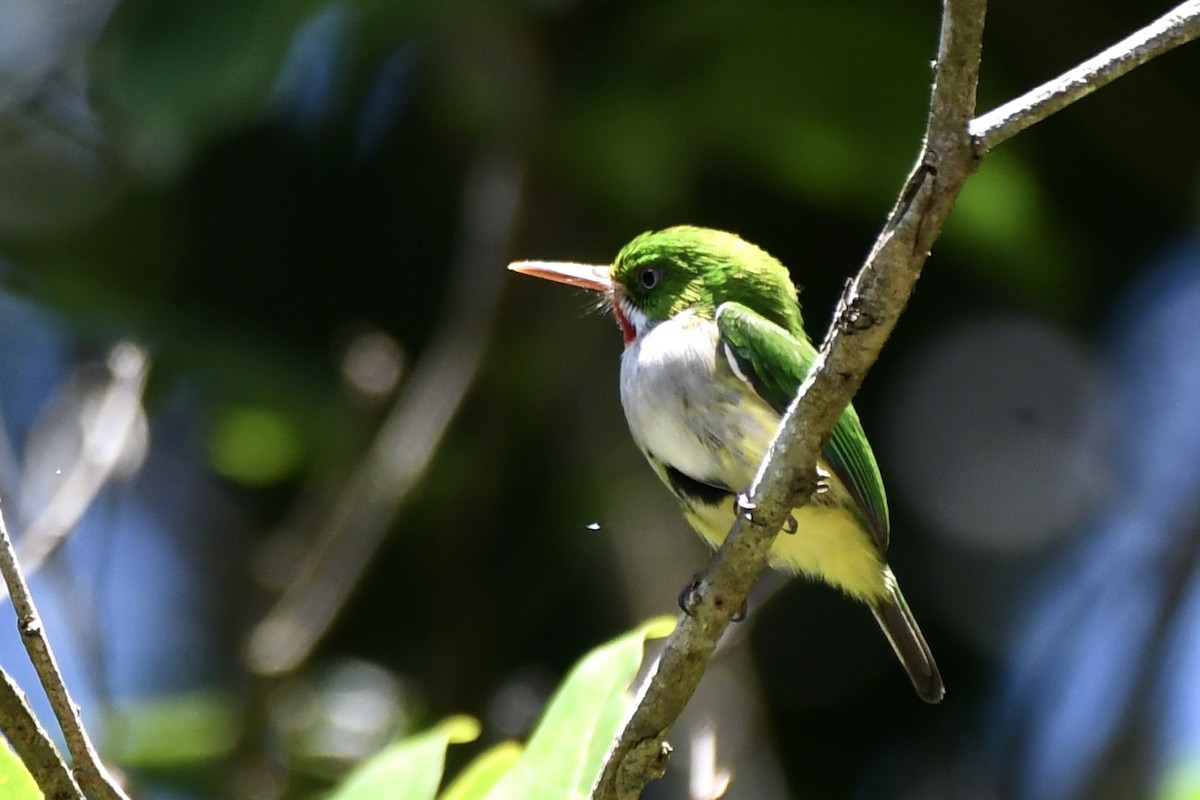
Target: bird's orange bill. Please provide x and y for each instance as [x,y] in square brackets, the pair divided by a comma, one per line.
[585,276]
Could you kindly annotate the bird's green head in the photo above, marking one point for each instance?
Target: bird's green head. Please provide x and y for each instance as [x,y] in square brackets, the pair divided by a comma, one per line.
[663,273]
[683,269]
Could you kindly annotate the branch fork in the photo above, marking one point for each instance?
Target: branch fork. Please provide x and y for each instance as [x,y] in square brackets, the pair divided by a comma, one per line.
[955,143]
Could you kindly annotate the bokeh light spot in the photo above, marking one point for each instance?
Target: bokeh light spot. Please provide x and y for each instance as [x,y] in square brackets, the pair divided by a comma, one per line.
[254,445]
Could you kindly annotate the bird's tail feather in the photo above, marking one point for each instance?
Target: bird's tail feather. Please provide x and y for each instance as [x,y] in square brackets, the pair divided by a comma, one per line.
[901,629]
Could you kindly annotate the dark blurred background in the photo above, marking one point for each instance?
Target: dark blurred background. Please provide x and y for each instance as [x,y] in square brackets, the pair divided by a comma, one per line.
[298,215]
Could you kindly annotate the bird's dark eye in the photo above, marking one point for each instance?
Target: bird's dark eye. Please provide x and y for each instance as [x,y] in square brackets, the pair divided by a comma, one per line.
[649,278]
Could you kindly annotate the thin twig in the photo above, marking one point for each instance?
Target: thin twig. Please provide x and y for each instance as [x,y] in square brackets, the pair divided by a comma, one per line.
[108,434]
[409,436]
[865,318]
[89,769]
[1178,26]
[34,746]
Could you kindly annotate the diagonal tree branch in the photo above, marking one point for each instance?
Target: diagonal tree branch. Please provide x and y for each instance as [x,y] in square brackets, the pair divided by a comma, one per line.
[865,318]
[31,742]
[90,771]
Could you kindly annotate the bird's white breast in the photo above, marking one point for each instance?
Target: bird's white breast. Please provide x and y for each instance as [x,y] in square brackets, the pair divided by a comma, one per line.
[686,408]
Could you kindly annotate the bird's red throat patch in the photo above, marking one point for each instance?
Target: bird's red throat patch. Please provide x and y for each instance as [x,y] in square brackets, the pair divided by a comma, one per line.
[627,331]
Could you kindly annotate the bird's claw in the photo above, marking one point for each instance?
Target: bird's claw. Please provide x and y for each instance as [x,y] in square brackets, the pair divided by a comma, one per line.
[690,595]
[744,506]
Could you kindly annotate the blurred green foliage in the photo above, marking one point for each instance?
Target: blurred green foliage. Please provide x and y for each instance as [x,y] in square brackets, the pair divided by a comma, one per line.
[410,769]
[562,759]
[254,445]
[15,781]
[163,733]
[484,772]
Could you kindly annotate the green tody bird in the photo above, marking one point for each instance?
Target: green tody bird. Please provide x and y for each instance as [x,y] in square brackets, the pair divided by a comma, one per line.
[715,350]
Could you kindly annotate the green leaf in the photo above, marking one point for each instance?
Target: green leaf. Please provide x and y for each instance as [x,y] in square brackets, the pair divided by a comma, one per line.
[1181,782]
[410,769]
[566,751]
[564,755]
[478,778]
[180,730]
[15,781]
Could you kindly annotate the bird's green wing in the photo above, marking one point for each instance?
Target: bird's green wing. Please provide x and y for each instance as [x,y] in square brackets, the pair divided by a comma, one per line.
[775,363]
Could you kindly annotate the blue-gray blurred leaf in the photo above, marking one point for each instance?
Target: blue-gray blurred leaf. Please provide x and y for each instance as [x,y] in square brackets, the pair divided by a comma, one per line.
[310,91]
[1092,641]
